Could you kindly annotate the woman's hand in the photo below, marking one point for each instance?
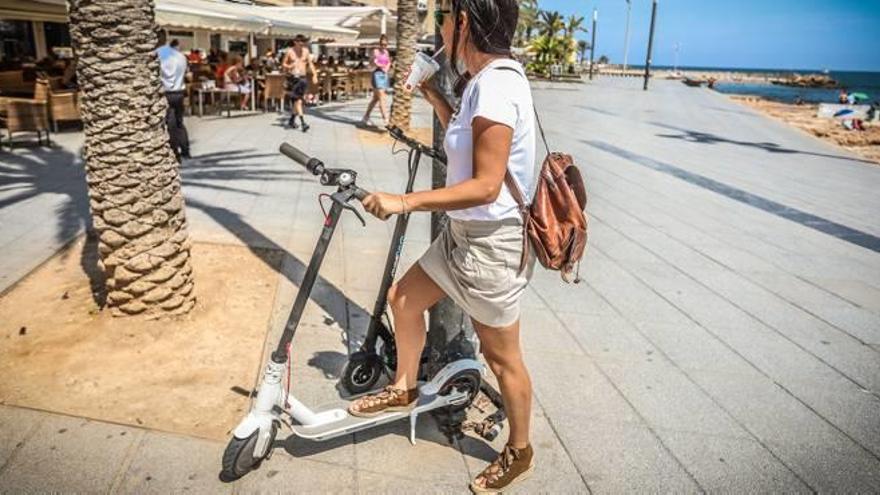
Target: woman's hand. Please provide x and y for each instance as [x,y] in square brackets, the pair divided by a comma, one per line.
[383,205]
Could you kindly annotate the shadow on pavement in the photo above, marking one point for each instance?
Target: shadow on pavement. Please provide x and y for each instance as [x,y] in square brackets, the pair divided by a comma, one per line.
[708,138]
[324,293]
[28,173]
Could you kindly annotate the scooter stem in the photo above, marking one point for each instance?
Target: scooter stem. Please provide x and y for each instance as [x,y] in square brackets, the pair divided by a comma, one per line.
[305,289]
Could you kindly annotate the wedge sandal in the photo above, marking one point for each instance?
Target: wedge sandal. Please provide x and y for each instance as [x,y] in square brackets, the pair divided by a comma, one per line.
[511,467]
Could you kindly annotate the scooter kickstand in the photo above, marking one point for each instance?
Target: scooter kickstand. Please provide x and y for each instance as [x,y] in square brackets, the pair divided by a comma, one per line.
[413,417]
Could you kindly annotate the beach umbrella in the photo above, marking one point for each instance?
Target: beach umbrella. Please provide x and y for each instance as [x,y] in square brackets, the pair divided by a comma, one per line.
[859,96]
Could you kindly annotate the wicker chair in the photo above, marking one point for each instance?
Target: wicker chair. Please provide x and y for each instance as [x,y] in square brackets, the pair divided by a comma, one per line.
[23,115]
[63,103]
[274,90]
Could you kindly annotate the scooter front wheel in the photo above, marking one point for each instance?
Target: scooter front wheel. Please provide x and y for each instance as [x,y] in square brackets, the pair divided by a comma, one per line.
[362,372]
[239,458]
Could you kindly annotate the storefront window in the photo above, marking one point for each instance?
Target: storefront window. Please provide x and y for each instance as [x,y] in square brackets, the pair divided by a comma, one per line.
[17,40]
[58,39]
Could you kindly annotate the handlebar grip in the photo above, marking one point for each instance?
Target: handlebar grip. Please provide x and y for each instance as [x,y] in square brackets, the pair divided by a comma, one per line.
[360,194]
[312,164]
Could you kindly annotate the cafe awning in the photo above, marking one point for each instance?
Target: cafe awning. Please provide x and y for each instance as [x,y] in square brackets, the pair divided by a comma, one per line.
[219,15]
[34,10]
[342,17]
[209,15]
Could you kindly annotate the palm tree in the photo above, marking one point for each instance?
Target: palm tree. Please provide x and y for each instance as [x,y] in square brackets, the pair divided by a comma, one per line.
[407,34]
[550,23]
[133,181]
[572,26]
[547,51]
[583,46]
[528,15]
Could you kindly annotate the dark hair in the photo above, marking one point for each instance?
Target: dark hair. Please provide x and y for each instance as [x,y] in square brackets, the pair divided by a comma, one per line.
[491,25]
[174,43]
[382,38]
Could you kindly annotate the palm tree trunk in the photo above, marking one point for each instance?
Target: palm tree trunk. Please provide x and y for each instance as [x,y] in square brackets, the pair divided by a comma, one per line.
[407,33]
[133,181]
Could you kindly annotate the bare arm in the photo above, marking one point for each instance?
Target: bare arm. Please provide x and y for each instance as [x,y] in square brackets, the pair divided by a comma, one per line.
[491,153]
[287,64]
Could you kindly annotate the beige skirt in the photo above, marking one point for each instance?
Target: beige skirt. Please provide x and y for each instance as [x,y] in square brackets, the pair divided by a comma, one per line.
[477,264]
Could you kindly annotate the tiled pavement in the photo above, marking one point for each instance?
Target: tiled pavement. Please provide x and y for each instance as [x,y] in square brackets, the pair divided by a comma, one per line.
[725,337]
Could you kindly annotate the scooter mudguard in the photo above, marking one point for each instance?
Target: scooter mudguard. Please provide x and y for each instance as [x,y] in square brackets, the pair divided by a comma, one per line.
[252,422]
[433,387]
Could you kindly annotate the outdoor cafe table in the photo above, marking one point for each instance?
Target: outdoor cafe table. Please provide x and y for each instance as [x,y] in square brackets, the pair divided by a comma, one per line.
[224,94]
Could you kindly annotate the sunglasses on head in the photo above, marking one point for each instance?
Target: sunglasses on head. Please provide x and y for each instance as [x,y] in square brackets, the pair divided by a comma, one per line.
[440,14]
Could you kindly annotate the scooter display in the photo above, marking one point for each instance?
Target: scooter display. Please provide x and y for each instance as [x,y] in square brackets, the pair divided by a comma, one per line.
[453,386]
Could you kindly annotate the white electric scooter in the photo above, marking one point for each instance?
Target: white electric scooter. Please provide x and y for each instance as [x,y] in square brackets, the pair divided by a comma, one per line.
[454,386]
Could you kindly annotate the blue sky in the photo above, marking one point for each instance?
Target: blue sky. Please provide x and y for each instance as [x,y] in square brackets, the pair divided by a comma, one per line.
[773,34]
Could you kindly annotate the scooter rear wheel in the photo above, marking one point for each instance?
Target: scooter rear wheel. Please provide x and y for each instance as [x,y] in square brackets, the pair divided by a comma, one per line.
[362,372]
[239,459]
[467,381]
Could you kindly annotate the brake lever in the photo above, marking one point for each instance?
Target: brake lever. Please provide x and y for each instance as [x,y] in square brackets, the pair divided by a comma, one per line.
[343,197]
[357,213]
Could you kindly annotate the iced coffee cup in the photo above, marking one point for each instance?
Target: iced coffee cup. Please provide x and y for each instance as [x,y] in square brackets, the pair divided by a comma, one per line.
[423,68]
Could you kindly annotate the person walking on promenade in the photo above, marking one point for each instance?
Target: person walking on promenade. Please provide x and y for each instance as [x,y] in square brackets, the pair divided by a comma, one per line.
[476,261]
[382,64]
[172,70]
[298,65]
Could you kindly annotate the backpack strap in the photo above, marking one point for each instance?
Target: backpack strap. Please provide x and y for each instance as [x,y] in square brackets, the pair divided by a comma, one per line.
[526,213]
[537,118]
[513,187]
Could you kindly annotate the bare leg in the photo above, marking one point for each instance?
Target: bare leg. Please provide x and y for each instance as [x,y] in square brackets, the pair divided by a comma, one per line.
[501,348]
[382,105]
[409,298]
[372,104]
[298,107]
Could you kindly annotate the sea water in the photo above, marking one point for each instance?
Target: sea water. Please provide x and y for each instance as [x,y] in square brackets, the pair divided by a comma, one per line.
[862,82]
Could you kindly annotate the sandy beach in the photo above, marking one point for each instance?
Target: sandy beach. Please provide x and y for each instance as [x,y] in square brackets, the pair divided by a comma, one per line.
[865,143]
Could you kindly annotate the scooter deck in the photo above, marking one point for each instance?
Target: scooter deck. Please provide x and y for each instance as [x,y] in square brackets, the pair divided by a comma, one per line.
[350,424]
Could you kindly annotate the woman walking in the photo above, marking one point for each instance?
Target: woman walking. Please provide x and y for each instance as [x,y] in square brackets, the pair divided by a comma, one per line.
[477,260]
[382,63]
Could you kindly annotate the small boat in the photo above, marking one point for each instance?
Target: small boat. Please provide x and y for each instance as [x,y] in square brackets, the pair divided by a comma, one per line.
[694,83]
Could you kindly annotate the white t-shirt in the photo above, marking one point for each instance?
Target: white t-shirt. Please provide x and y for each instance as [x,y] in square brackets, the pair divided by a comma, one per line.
[503,96]
[172,68]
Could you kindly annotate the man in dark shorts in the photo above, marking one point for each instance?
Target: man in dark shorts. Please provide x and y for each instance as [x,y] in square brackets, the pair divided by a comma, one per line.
[298,66]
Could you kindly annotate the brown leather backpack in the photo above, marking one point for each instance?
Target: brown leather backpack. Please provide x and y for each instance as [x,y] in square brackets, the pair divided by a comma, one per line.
[555,221]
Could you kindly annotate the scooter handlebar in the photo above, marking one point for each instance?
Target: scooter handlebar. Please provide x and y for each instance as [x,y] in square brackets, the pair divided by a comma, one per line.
[360,194]
[313,165]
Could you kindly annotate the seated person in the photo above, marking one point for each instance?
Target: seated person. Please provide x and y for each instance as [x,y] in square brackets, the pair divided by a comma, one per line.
[235,79]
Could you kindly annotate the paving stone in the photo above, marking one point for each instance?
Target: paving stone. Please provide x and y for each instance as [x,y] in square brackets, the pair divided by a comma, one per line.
[288,474]
[67,454]
[165,463]
[16,425]
[725,465]
[386,449]
[666,398]
[623,458]
[794,432]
